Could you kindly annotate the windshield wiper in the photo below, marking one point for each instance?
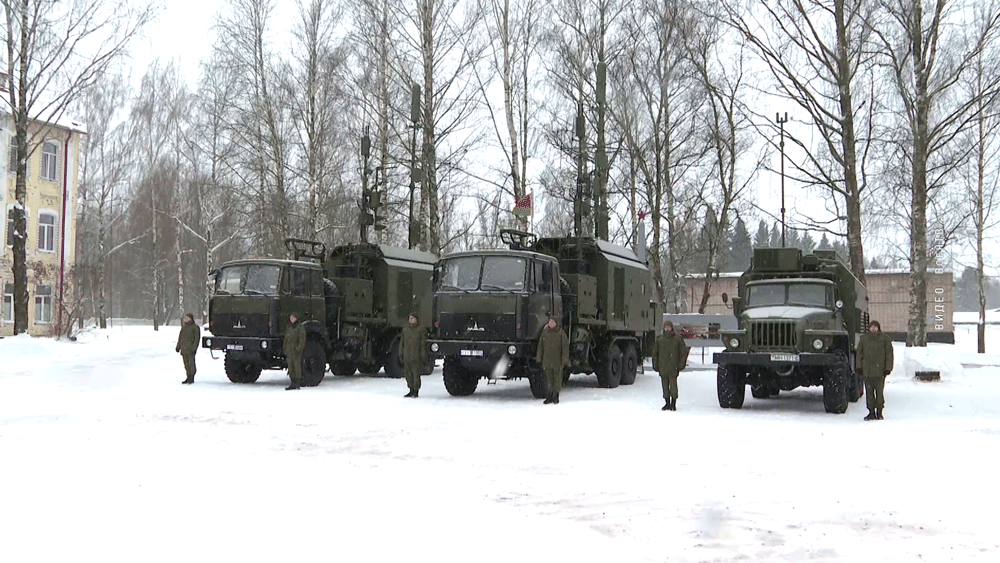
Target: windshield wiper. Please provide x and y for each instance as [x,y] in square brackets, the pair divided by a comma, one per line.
[253,292]
[448,286]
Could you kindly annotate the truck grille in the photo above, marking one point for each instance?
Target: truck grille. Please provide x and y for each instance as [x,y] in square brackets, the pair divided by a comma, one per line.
[476,326]
[772,335]
[240,324]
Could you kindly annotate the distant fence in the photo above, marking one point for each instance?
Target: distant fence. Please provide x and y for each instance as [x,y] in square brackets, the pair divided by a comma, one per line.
[701,331]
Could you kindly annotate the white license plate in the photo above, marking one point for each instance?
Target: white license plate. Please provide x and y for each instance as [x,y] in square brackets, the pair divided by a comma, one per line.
[784,357]
[238,347]
[478,353]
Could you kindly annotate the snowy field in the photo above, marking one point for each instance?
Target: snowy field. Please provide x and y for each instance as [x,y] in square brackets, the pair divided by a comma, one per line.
[105,456]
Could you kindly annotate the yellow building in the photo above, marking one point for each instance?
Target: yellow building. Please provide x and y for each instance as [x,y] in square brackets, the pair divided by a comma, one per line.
[51,213]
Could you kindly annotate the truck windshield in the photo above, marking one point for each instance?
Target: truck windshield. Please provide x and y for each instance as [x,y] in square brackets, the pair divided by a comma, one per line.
[810,294]
[489,273]
[253,279]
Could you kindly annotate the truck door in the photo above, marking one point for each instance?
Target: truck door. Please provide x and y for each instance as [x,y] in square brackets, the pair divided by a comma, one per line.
[298,286]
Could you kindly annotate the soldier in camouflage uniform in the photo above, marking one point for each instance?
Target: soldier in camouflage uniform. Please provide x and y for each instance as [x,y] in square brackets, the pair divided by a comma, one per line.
[669,358]
[187,345]
[875,363]
[293,345]
[413,349]
[553,355]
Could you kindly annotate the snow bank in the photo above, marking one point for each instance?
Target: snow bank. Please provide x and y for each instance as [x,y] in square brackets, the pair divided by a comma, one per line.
[912,360]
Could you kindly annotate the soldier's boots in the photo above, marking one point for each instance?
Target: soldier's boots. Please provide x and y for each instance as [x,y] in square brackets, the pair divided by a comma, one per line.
[410,394]
[187,381]
[415,393]
[878,414]
[871,415]
[673,404]
[666,405]
[555,398]
[292,386]
[548,399]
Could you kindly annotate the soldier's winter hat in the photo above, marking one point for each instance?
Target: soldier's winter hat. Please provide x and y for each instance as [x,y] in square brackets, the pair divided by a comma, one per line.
[875,325]
[668,324]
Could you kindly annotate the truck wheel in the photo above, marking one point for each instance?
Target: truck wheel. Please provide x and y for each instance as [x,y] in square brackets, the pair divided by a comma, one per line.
[609,372]
[343,367]
[369,369]
[539,384]
[630,364]
[394,363]
[857,388]
[457,380]
[313,364]
[241,371]
[835,383]
[730,387]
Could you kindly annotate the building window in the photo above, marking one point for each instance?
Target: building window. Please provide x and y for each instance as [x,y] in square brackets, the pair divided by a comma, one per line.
[43,304]
[10,225]
[8,302]
[47,232]
[49,161]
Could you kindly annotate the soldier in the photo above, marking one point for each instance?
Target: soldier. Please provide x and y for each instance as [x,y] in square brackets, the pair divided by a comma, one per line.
[413,349]
[669,358]
[874,363]
[293,344]
[553,355]
[187,345]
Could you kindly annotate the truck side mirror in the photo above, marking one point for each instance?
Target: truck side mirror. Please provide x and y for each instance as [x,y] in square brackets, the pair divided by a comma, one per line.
[725,297]
[737,306]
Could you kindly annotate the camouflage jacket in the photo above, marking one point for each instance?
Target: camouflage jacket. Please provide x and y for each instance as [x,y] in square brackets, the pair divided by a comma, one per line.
[553,349]
[670,353]
[188,339]
[874,355]
[413,345]
[294,341]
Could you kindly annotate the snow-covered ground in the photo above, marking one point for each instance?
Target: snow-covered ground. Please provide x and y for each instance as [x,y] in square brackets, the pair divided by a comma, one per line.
[105,456]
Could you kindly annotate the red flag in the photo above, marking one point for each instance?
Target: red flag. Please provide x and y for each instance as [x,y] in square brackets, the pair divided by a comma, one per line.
[523,206]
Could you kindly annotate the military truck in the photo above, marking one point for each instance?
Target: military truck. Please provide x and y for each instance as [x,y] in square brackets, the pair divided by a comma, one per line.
[799,320]
[352,301]
[490,307]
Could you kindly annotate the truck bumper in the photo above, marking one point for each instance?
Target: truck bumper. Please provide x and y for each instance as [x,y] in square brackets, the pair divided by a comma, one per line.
[768,359]
[265,347]
[480,350]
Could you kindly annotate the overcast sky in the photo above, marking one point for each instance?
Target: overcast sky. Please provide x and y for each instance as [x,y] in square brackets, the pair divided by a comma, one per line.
[182,32]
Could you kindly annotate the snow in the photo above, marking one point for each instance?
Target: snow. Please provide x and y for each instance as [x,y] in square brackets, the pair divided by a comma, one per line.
[105,456]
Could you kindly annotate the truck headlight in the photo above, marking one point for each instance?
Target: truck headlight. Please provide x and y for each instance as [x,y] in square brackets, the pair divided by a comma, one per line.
[208,342]
[434,347]
[263,344]
[734,342]
[818,344]
[512,349]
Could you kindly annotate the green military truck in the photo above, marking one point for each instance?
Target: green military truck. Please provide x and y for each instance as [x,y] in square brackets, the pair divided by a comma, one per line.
[799,320]
[353,301]
[491,306]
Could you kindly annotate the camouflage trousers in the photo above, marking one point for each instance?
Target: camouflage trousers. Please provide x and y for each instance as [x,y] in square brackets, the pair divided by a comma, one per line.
[189,367]
[295,369]
[875,392]
[554,379]
[412,373]
[669,383]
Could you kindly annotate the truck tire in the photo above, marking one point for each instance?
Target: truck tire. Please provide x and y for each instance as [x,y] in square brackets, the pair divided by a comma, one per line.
[857,389]
[539,384]
[241,371]
[393,362]
[343,367]
[835,383]
[730,387]
[630,364]
[313,364]
[458,381]
[369,369]
[609,371]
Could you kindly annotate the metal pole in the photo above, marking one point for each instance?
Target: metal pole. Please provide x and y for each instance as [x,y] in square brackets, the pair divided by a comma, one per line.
[781,121]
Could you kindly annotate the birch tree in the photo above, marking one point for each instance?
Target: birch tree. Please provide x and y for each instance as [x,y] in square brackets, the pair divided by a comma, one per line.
[54,50]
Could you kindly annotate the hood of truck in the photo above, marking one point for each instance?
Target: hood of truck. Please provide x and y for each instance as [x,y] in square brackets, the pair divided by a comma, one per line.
[477,316]
[241,315]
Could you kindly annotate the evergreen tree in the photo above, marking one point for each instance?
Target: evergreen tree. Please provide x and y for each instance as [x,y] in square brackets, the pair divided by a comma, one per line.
[761,238]
[775,238]
[740,250]
[807,243]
